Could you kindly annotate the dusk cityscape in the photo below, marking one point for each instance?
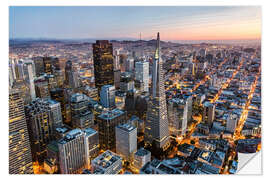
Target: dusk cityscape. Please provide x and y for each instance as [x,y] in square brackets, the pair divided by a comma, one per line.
[133,89]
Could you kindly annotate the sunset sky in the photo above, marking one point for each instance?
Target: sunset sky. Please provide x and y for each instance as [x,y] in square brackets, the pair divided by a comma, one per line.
[174,23]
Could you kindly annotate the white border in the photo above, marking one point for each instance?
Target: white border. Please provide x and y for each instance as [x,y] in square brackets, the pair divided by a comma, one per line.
[4,62]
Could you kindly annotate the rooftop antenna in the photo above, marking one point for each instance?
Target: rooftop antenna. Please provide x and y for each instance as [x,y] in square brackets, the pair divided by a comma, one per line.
[141,48]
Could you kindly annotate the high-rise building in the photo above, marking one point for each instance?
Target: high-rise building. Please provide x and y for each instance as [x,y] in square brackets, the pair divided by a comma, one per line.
[91,92]
[58,75]
[179,113]
[126,141]
[107,96]
[30,61]
[156,125]
[126,81]
[117,77]
[117,68]
[208,112]
[47,64]
[116,61]
[51,64]
[19,70]
[29,78]
[129,65]
[71,76]
[141,157]
[51,163]
[51,79]
[41,116]
[20,158]
[10,76]
[120,99]
[39,65]
[24,90]
[106,127]
[81,116]
[55,113]
[12,63]
[142,74]
[58,95]
[107,163]
[92,144]
[231,123]
[42,88]
[103,63]
[72,152]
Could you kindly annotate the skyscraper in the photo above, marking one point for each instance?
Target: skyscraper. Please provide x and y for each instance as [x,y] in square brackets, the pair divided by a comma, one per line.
[92,144]
[157,126]
[57,94]
[208,112]
[42,88]
[51,64]
[20,159]
[117,70]
[40,118]
[141,157]
[106,127]
[231,123]
[116,60]
[55,113]
[29,78]
[126,141]
[142,74]
[39,65]
[71,75]
[72,152]
[47,64]
[126,81]
[129,65]
[107,96]
[81,116]
[10,76]
[103,63]
[178,115]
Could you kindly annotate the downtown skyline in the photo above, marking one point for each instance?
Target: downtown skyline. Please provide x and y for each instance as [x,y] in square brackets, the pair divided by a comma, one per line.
[182,23]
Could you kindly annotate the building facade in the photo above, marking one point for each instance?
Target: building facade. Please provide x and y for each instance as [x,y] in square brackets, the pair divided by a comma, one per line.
[81,116]
[103,63]
[126,141]
[20,158]
[107,96]
[142,74]
[156,125]
[72,152]
[107,121]
[107,163]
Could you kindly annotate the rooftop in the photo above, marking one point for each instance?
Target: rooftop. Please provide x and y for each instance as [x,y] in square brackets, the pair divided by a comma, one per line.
[142,152]
[126,127]
[106,159]
[78,97]
[109,115]
[89,131]
[71,135]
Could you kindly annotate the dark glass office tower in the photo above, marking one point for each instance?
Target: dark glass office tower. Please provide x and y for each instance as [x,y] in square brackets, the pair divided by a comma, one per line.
[51,64]
[103,63]
[71,76]
[58,94]
[20,158]
[47,65]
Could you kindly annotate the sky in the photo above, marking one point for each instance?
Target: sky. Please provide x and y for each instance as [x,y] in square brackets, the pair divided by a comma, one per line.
[125,22]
